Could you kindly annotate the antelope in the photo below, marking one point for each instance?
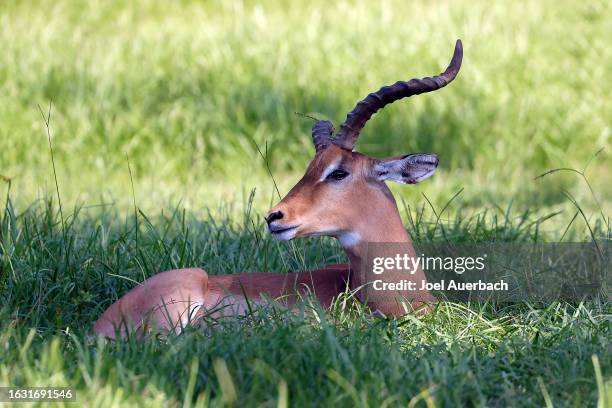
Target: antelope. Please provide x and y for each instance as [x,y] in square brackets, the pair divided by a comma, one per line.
[342,194]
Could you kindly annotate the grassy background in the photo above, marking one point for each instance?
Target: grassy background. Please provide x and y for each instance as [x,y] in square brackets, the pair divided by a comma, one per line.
[189,90]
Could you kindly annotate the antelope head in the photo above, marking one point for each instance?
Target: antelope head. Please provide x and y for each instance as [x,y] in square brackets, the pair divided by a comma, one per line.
[343,193]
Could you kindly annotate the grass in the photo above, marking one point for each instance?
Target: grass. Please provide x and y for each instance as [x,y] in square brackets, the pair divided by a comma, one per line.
[187,90]
[55,282]
[160,112]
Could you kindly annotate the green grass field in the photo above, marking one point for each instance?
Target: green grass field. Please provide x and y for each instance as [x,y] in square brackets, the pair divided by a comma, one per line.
[188,93]
[55,282]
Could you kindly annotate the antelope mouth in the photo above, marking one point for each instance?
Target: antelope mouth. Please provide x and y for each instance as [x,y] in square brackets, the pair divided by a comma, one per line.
[279,229]
[282,232]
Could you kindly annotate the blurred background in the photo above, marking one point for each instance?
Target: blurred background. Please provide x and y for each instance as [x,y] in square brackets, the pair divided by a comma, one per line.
[189,91]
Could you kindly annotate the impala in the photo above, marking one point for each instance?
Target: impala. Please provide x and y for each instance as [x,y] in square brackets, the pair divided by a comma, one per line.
[342,194]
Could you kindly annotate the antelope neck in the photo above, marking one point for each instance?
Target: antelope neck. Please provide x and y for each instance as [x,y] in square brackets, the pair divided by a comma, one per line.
[381,225]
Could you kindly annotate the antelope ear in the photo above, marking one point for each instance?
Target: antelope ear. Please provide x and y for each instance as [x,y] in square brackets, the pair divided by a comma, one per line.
[409,169]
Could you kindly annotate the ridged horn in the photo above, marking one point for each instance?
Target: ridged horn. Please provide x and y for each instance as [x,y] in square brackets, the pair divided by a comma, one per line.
[321,132]
[363,111]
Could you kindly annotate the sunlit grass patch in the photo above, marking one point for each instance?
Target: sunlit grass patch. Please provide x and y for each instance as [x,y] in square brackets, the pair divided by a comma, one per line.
[187,91]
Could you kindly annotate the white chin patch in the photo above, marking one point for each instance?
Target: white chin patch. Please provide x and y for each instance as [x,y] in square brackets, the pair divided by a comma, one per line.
[349,239]
[285,235]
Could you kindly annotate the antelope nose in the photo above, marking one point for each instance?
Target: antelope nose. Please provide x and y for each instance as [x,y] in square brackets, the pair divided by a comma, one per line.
[277,215]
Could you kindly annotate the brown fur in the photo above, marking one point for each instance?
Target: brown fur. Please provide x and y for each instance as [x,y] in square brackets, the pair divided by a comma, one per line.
[361,205]
[358,210]
[170,300]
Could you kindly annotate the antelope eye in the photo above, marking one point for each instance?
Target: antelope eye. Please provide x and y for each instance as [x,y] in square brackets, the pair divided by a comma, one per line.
[337,175]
